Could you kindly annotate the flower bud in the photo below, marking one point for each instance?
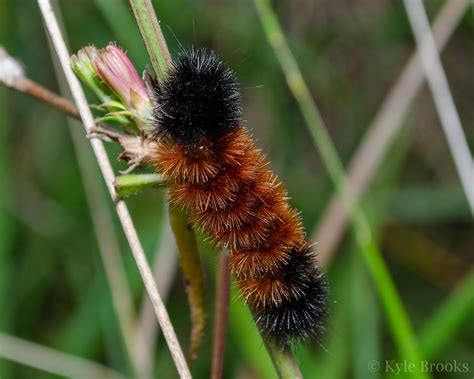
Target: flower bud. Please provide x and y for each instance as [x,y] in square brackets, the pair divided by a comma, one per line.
[83,67]
[118,73]
[113,78]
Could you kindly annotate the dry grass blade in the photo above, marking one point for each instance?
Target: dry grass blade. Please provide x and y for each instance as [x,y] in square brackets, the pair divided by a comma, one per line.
[164,270]
[121,208]
[12,75]
[381,133]
[193,275]
[106,236]
[109,250]
[53,361]
[442,96]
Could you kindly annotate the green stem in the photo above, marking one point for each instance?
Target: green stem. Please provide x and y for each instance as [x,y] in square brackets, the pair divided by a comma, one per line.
[131,184]
[190,259]
[283,361]
[193,274]
[161,61]
[153,38]
[394,310]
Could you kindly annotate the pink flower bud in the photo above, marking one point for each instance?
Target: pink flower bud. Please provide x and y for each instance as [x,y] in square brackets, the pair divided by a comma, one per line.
[117,71]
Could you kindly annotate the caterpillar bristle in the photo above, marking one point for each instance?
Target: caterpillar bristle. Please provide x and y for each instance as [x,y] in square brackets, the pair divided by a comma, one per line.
[221,180]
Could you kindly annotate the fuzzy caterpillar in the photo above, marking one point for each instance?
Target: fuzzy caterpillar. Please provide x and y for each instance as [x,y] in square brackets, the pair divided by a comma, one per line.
[221,180]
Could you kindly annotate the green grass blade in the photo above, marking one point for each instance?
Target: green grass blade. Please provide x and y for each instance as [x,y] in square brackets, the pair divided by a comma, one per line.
[444,324]
[365,320]
[394,310]
[150,30]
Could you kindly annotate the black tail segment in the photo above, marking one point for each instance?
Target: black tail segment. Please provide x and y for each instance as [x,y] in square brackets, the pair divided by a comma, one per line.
[302,315]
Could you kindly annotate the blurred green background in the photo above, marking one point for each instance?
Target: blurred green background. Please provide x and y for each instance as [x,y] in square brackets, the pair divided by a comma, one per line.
[53,288]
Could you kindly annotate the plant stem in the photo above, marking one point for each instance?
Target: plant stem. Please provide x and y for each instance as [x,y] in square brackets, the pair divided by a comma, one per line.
[161,61]
[443,99]
[15,79]
[193,274]
[284,361]
[221,318]
[186,240]
[164,266]
[102,222]
[153,38]
[121,208]
[35,90]
[131,184]
[442,326]
[394,310]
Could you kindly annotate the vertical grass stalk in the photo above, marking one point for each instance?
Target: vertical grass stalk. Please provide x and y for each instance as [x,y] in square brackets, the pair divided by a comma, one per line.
[152,35]
[160,58]
[394,310]
[108,174]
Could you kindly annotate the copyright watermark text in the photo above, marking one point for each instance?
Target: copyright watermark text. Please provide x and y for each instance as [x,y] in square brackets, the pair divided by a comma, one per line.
[404,366]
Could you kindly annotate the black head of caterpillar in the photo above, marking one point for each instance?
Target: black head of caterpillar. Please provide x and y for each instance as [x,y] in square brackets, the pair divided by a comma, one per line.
[221,179]
[199,98]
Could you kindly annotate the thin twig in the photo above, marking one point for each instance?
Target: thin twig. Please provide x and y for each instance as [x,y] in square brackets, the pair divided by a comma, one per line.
[121,208]
[221,318]
[442,96]
[104,230]
[33,89]
[109,251]
[53,361]
[12,75]
[107,241]
[381,133]
[190,260]
[165,264]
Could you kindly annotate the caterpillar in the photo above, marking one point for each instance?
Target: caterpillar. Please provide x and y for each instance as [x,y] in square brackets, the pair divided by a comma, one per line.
[220,179]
